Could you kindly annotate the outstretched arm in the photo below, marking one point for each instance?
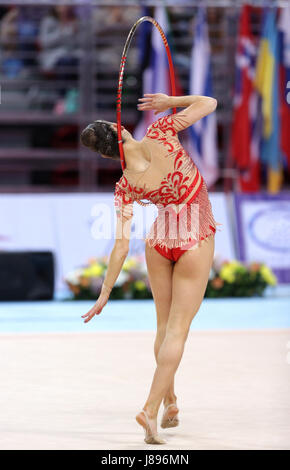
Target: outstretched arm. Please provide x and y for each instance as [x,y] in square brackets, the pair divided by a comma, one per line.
[117,256]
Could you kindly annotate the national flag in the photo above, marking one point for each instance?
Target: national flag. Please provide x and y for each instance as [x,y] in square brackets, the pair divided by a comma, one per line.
[246,122]
[284,71]
[202,145]
[267,83]
[156,78]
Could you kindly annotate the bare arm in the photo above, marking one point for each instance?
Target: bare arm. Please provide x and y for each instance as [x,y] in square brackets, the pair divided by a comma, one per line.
[116,260]
[117,257]
[186,101]
[196,106]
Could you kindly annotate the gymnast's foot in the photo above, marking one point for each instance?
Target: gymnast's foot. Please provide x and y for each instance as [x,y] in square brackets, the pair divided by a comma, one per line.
[169,399]
[170,414]
[149,424]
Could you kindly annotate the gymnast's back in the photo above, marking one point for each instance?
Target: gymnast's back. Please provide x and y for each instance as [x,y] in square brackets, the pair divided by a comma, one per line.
[171,176]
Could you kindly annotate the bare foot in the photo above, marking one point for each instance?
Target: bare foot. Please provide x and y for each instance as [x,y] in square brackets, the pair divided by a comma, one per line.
[150,428]
[170,418]
[168,400]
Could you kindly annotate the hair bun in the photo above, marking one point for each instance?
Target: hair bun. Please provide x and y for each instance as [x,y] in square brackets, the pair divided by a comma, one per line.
[102,138]
[88,137]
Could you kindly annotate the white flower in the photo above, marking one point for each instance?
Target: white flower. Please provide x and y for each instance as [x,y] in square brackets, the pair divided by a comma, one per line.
[218,262]
[122,278]
[143,268]
[73,276]
[211,274]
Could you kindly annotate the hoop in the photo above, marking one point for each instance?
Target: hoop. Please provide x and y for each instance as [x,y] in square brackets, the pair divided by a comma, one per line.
[121,75]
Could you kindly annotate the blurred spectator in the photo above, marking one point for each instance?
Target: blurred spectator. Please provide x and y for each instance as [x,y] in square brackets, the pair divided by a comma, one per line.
[27,33]
[115,22]
[18,34]
[59,39]
[110,17]
[11,65]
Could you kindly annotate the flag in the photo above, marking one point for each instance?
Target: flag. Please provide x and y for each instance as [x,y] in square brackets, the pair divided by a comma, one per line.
[202,144]
[284,72]
[267,83]
[246,123]
[156,77]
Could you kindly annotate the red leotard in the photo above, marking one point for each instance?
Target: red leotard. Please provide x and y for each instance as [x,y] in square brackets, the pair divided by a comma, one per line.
[174,184]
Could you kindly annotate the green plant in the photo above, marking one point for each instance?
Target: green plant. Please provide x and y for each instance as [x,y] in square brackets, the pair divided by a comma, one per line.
[86,282]
[235,279]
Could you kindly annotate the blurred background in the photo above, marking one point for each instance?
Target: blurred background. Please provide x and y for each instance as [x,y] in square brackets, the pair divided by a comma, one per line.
[59,67]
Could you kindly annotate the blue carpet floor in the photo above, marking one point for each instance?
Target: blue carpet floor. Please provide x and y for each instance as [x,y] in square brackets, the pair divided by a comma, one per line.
[65,316]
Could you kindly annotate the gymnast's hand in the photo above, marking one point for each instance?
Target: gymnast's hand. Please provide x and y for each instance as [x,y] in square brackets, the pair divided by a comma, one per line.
[157,101]
[97,308]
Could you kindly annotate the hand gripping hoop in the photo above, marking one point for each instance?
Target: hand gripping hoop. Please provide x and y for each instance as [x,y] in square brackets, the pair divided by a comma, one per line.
[121,75]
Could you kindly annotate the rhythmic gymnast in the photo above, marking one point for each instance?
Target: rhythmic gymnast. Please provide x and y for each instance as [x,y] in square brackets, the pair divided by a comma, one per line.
[179,247]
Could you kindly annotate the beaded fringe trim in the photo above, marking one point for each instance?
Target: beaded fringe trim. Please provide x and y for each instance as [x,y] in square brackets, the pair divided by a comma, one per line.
[199,243]
[195,222]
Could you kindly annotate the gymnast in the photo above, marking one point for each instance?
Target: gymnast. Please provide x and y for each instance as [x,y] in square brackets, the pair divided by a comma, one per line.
[179,247]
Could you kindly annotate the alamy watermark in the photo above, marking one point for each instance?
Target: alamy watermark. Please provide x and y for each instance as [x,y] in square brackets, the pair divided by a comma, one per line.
[173,221]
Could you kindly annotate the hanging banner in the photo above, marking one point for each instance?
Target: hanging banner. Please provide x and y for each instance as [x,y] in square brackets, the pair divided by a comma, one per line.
[263,230]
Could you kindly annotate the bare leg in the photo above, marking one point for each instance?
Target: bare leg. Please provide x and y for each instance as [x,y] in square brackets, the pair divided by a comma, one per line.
[189,280]
[160,271]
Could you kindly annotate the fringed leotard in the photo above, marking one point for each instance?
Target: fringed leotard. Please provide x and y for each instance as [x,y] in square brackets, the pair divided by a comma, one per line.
[174,184]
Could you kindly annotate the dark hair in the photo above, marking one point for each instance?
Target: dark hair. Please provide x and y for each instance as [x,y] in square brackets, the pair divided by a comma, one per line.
[101,137]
